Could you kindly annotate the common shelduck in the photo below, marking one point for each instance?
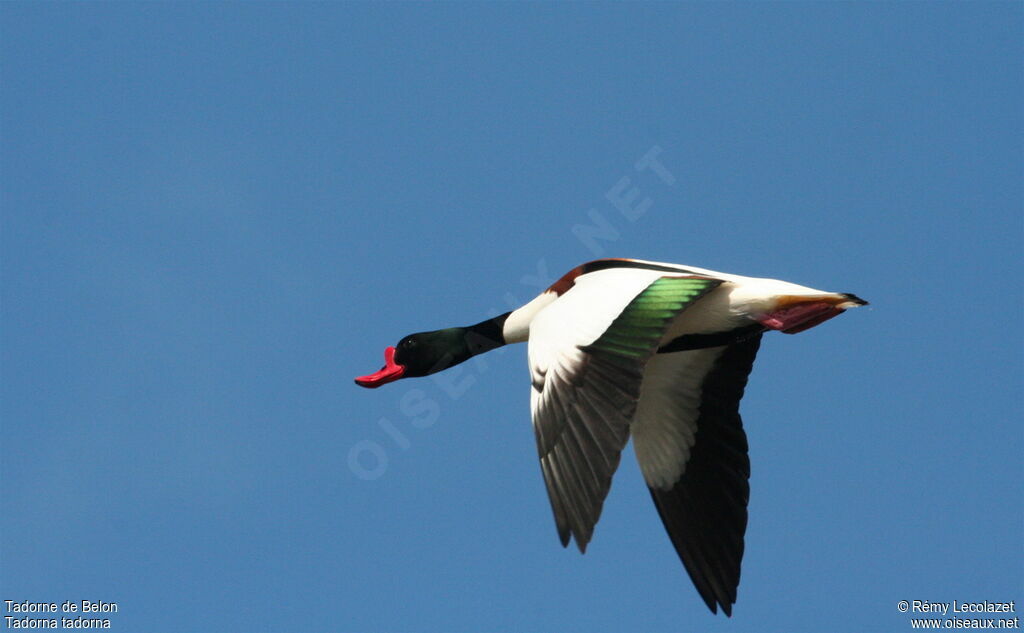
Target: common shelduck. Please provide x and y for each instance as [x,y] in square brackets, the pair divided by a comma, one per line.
[660,352]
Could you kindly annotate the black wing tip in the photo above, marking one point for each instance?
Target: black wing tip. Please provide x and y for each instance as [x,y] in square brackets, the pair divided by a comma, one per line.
[854,298]
[713,603]
[567,537]
[581,538]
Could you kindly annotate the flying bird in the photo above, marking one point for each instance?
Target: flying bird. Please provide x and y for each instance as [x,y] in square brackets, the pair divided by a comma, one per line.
[660,352]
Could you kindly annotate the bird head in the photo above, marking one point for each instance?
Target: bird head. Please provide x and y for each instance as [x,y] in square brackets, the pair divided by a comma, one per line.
[419,354]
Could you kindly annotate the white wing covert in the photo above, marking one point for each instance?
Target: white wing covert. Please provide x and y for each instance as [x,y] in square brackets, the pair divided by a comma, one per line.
[587,352]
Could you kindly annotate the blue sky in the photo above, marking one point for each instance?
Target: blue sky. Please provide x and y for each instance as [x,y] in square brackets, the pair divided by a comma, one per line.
[215,215]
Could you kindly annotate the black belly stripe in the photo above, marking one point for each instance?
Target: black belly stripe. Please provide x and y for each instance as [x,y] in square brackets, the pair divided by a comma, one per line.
[688,342]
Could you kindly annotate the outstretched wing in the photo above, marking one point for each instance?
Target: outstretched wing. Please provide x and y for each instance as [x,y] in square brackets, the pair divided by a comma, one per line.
[690,444]
[587,352]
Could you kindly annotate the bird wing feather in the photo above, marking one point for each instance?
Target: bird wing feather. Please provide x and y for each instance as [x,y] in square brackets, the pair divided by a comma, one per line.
[587,353]
[691,447]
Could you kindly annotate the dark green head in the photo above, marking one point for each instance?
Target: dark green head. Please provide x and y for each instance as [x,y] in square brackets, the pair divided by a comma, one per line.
[421,354]
[425,353]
